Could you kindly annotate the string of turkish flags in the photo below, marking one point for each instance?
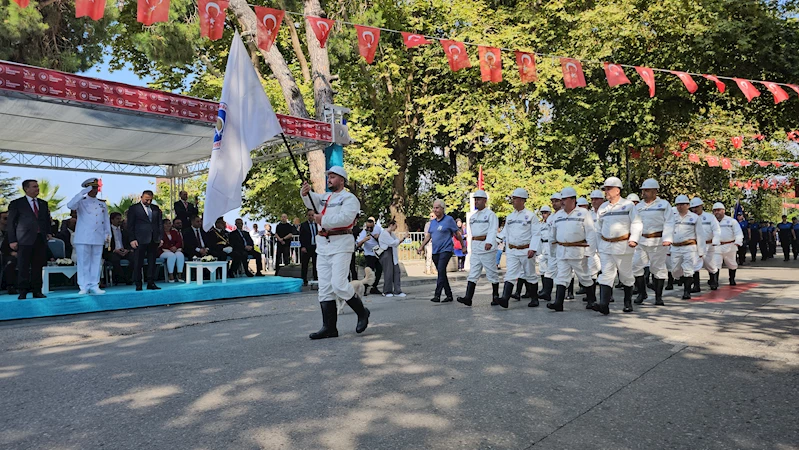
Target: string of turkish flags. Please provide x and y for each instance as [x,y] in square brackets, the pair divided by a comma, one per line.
[212,22]
[773,184]
[727,163]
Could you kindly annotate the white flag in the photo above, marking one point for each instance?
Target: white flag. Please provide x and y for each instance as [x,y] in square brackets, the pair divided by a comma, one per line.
[246,120]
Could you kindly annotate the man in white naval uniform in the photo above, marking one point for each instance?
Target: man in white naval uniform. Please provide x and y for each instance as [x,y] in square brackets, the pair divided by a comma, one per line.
[92,231]
[551,263]
[575,240]
[688,244]
[619,230]
[543,250]
[521,236]
[712,232]
[337,213]
[730,240]
[483,227]
[658,226]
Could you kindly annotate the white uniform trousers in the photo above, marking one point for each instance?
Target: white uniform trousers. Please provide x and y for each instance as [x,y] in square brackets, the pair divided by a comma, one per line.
[612,265]
[487,260]
[90,260]
[552,265]
[708,262]
[669,262]
[543,263]
[653,256]
[727,254]
[567,268]
[333,271]
[520,266]
[594,266]
[683,261]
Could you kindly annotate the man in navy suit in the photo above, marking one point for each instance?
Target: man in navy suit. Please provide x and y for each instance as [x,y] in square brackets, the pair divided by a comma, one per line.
[28,233]
[145,226]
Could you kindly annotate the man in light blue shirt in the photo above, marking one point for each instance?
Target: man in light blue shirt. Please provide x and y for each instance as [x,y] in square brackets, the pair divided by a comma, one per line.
[441,230]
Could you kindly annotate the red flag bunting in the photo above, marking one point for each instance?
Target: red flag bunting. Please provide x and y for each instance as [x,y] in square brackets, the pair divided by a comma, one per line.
[648,75]
[321,28]
[412,40]
[758,137]
[152,11]
[368,38]
[762,163]
[22,3]
[793,135]
[748,184]
[480,179]
[744,162]
[712,161]
[635,154]
[490,64]
[747,88]
[732,184]
[212,18]
[615,75]
[684,145]
[776,163]
[573,76]
[269,21]
[92,8]
[737,141]
[779,94]
[689,82]
[676,153]
[711,143]
[694,158]
[719,84]
[527,70]
[794,87]
[726,164]
[456,55]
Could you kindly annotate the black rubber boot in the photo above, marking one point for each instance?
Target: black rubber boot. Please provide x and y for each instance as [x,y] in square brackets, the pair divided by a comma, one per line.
[590,296]
[649,279]
[329,317]
[628,299]
[686,285]
[713,282]
[670,285]
[507,290]
[580,290]
[560,295]
[659,292]
[678,282]
[518,294]
[732,276]
[527,293]
[532,289]
[695,286]
[467,299]
[547,291]
[570,291]
[604,299]
[494,294]
[363,314]
[641,283]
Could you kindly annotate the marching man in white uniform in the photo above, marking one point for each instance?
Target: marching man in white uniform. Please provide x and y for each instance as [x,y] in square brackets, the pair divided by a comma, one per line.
[619,230]
[731,239]
[483,227]
[712,233]
[575,240]
[521,236]
[92,231]
[658,226]
[687,245]
[551,261]
[337,213]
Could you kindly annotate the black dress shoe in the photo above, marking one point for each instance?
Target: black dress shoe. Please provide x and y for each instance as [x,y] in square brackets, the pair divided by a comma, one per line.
[448,299]
[39,295]
[22,295]
[436,299]
[138,287]
[153,287]
[249,274]
[258,274]
[12,290]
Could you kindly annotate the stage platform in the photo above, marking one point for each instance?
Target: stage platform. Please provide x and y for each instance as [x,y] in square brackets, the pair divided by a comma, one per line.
[64,302]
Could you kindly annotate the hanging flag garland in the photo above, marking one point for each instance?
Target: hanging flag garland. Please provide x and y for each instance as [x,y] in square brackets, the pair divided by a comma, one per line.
[269,21]
[527,70]
[412,40]
[367,42]
[615,75]
[490,64]
[456,55]
[93,9]
[573,76]
[212,18]
[152,11]
[321,28]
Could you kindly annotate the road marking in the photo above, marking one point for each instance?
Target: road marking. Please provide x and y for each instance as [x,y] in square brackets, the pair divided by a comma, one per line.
[723,293]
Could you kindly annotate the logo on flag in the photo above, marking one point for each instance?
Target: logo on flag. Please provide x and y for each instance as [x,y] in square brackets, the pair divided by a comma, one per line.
[219,128]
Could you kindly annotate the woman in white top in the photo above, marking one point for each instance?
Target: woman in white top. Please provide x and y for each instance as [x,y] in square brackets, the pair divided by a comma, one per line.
[389,259]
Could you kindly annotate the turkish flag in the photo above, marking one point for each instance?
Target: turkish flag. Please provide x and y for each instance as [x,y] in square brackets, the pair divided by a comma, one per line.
[22,3]
[684,145]
[726,164]
[719,85]
[635,154]
[367,42]
[648,75]
[737,141]
[748,184]
[527,69]
[712,161]
[747,88]
[92,8]
[776,163]
[212,18]
[762,163]
[100,185]
[711,143]
[744,162]
[321,28]
[269,21]
[573,76]
[779,94]
[793,135]
[694,158]
[759,137]
[689,82]
[456,55]
[794,87]
[615,75]
[152,11]
[490,64]
[412,40]
[676,153]
[480,179]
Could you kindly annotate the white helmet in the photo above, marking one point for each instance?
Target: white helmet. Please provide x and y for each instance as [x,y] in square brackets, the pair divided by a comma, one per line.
[545,209]
[568,192]
[681,199]
[718,205]
[596,193]
[581,201]
[650,183]
[520,193]
[633,198]
[480,194]
[612,182]
[338,170]
[556,196]
[696,201]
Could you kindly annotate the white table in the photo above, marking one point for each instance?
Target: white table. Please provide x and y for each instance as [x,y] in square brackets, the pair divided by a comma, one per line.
[68,271]
[198,266]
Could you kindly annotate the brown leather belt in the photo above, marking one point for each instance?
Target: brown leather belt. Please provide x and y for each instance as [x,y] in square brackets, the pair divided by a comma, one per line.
[616,239]
[325,233]
[709,242]
[479,238]
[727,242]
[573,244]
[519,247]
[685,243]
[653,235]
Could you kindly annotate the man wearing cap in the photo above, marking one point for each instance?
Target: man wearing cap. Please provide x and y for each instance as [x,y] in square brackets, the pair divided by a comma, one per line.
[551,263]
[92,231]
[731,238]
[483,225]
[337,214]
[634,198]
[688,244]
[785,230]
[521,236]
[657,222]
[543,247]
[712,232]
[575,237]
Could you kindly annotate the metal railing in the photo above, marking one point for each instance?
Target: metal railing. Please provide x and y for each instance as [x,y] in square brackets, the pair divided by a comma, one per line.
[409,244]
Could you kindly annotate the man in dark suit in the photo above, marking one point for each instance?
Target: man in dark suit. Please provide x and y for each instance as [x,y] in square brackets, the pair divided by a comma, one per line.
[183,209]
[243,245]
[308,231]
[8,258]
[195,240]
[284,233]
[145,226]
[119,249]
[28,233]
[220,247]
[65,232]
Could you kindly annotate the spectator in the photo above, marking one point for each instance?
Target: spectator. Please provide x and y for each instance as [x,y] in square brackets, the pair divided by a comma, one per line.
[244,247]
[308,232]
[389,260]
[296,222]
[442,228]
[177,225]
[172,251]
[368,240]
[66,232]
[28,232]
[459,251]
[428,249]
[356,231]
[284,233]
[267,243]
[500,247]
[119,250]
[184,210]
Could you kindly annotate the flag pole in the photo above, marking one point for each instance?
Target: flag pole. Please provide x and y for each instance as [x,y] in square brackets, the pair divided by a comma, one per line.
[299,172]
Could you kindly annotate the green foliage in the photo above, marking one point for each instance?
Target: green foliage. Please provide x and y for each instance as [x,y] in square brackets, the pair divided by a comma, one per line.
[194,187]
[8,190]
[124,204]
[272,189]
[47,192]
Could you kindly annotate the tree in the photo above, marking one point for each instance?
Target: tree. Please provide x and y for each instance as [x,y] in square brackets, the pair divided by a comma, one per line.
[194,187]
[8,189]
[124,204]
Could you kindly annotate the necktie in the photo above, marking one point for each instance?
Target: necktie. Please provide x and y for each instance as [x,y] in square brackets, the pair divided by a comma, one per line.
[35,207]
[149,213]
[199,241]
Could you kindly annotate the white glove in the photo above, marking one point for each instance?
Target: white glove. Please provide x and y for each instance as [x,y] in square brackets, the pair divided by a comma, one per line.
[228,250]
[86,190]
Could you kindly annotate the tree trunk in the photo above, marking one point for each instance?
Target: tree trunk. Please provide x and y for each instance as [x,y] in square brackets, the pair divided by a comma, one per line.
[295,44]
[397,208]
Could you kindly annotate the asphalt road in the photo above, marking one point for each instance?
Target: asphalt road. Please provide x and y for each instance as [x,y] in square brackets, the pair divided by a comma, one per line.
[718,373]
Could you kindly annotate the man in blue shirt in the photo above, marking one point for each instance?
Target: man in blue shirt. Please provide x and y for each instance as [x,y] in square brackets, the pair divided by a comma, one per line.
[754,239]
[785,230]
[442,229]
[772,239]
[765,250]
[745,229]
[795,238]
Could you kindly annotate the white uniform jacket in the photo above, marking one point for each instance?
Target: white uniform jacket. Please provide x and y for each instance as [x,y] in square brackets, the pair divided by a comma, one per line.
[521,228]
[656,217]
[483,223]
[616,220]
[686,228]
[576,227]
[339,210]
[712,230]
[731,232]
[94,226]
